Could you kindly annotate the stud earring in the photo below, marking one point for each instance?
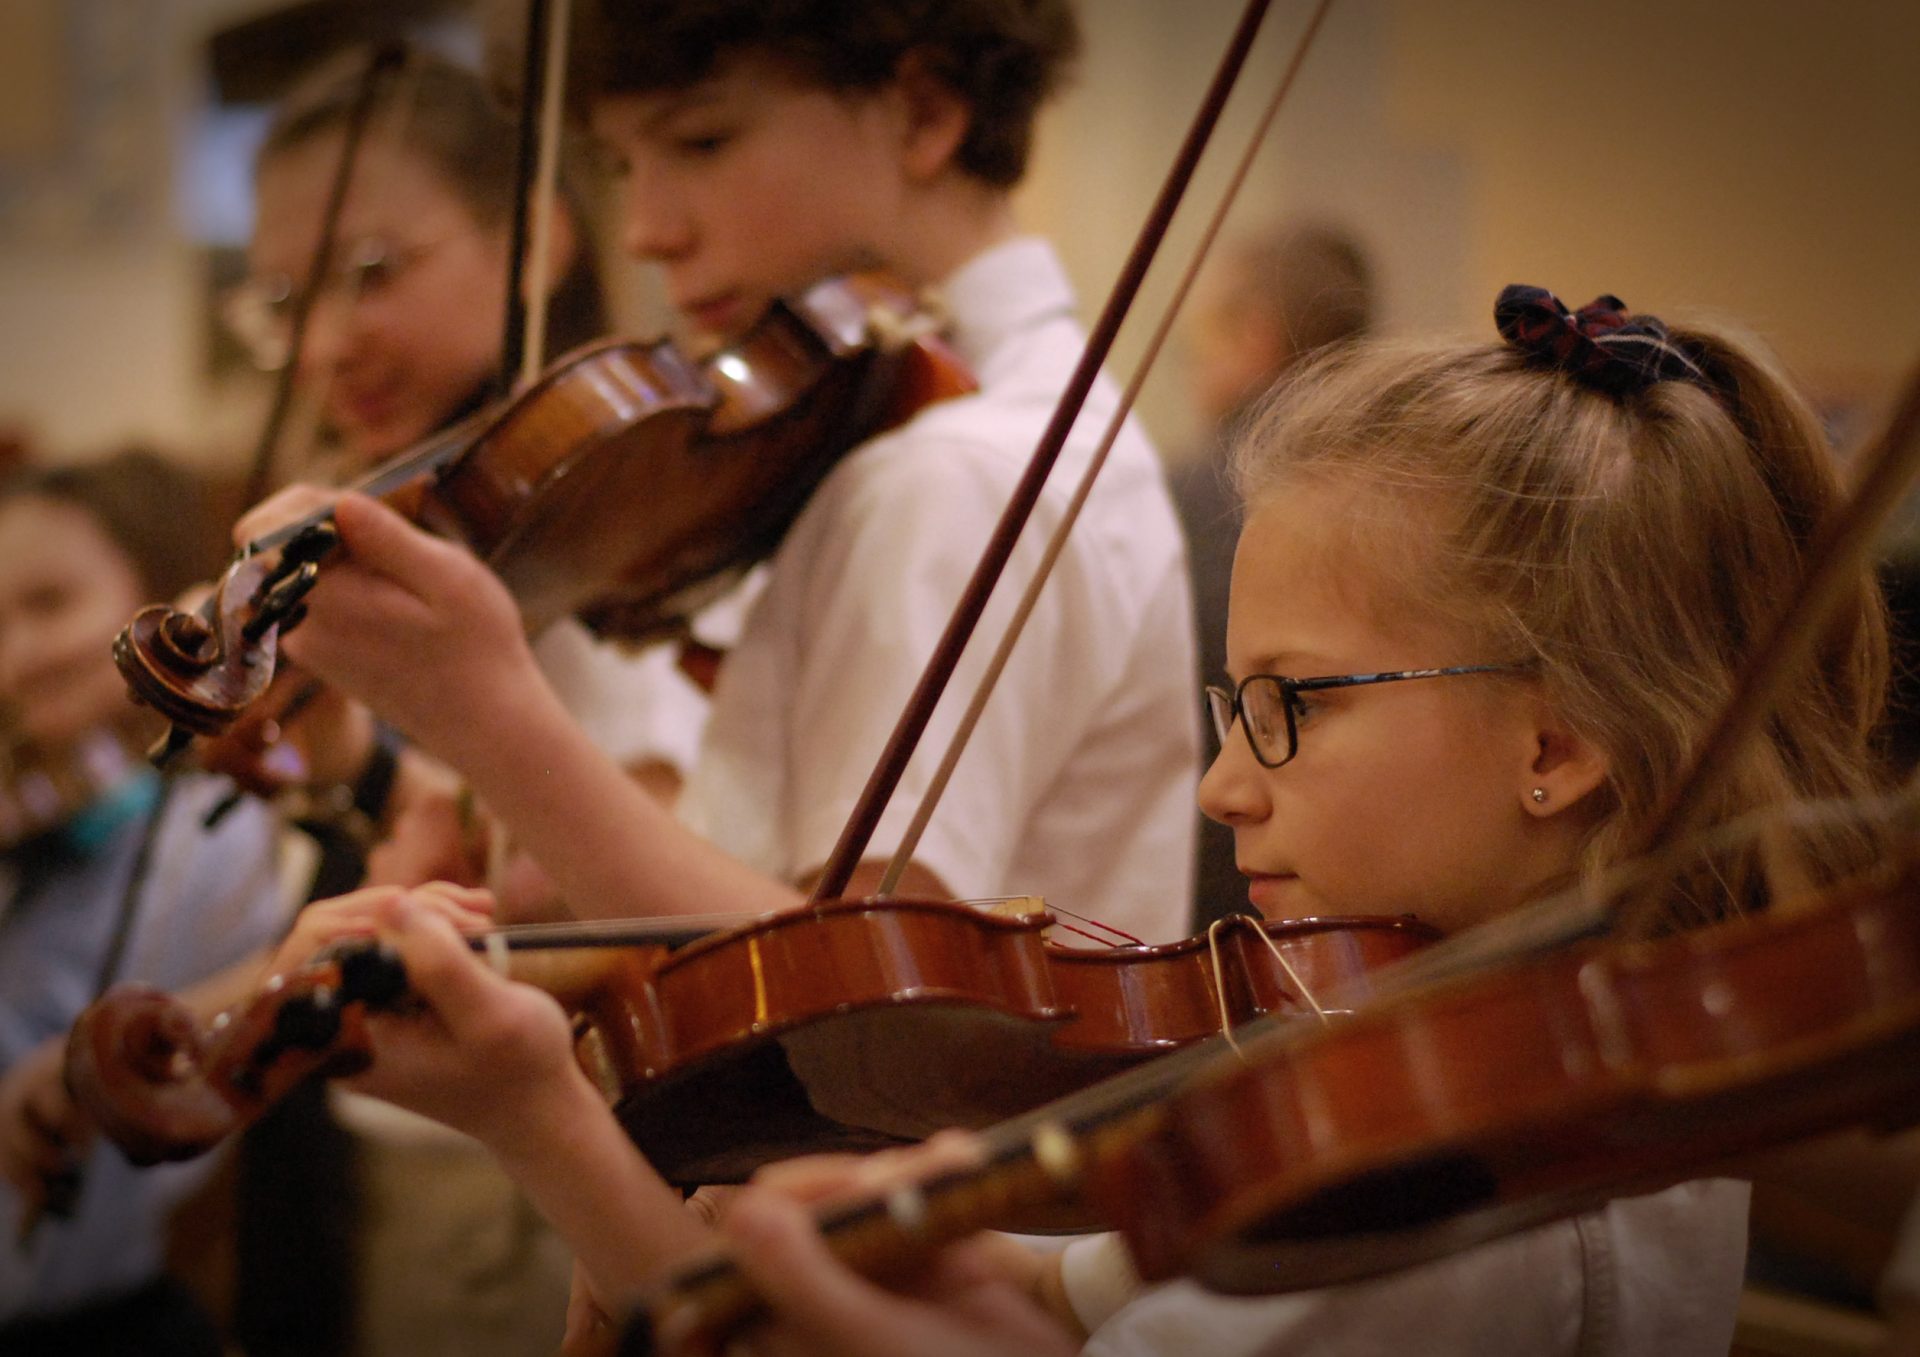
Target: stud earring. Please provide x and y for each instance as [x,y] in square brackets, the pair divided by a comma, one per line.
[1540,795]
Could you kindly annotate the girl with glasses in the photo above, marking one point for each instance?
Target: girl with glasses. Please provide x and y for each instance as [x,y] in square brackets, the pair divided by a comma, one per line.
[1484,609]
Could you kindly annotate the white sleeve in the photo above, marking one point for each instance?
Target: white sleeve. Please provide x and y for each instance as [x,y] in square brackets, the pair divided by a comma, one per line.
[635,706]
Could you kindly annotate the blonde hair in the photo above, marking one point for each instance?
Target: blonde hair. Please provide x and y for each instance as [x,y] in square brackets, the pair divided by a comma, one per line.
[1632,549]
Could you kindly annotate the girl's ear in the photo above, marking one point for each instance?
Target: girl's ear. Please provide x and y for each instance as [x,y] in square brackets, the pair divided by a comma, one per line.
[937,118]
[1566,768]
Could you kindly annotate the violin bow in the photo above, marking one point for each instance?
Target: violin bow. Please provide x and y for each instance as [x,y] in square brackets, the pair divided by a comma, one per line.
[912,723]
[1057,543]
[386,59]
[543,68]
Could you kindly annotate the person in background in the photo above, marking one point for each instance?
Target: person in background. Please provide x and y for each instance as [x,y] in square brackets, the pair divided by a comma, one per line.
[403,339]
[1269,301]
[131,884]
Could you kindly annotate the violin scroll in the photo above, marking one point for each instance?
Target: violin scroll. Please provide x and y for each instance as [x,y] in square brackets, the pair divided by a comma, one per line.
[162,1088]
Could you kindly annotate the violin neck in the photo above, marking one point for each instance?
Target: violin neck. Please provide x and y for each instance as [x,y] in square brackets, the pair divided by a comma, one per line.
[415,466]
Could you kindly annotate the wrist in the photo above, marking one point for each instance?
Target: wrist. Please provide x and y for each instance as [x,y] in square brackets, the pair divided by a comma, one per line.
[358,808]
[547,1122]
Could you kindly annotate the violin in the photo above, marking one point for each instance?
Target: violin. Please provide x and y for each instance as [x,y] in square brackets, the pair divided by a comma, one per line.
[627,485]
[1436,1118]
[851,1025]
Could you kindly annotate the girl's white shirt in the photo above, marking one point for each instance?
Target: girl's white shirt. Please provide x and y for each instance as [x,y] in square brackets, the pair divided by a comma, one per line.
[1657,1274]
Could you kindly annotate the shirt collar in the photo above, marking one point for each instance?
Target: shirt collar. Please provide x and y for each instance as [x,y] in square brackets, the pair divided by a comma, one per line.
[1002,291]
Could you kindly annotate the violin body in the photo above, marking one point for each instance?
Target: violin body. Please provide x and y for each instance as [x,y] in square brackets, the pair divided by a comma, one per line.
[1439,1120]
[624,486]
[859,1024]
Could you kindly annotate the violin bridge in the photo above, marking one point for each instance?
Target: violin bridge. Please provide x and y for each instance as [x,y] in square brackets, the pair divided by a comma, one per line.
[1015,906]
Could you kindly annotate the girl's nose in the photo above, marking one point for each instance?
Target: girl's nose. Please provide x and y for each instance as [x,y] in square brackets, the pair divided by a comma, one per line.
[1234,790]
[328,340]
[651,226]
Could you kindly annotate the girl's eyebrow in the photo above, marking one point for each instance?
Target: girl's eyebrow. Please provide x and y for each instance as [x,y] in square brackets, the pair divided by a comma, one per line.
[1286,663]
[673,105]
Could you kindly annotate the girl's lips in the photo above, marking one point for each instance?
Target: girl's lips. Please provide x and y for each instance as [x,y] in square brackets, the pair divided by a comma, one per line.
[717,316]
[1266,890]
[362,408]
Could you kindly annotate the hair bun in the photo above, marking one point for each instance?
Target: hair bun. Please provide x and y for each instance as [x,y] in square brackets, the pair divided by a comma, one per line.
[1600,344]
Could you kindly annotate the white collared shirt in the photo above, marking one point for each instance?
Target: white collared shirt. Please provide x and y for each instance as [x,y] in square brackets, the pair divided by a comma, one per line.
[1079,783]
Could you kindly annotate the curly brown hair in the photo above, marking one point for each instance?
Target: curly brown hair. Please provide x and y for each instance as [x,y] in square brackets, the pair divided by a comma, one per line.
[1004,57]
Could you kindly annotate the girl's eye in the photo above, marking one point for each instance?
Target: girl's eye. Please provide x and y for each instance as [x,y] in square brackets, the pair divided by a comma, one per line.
[702,144]
[48,600]
[370,275]
[1303,706]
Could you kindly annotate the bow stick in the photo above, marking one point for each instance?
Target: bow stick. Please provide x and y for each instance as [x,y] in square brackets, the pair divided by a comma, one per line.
[912,723]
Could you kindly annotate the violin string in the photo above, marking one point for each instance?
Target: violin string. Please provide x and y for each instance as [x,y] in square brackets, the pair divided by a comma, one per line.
[912,722]
[1078,932]
[1057,543]
[1126,939]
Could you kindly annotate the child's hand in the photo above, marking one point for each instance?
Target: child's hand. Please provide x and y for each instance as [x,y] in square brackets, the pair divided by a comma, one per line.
[417,628]
[481,1054]
[972,1299]
[962,1304]
[362,914]
[42,1132]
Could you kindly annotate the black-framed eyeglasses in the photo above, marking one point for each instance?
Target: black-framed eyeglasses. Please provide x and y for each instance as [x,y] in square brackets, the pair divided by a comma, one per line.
[1265,705]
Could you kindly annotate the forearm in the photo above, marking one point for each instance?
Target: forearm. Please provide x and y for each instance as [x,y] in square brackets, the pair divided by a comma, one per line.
[625,1225]
[610,846]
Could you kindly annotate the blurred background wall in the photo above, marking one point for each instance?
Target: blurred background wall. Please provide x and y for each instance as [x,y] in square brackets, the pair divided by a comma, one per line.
[1761,159]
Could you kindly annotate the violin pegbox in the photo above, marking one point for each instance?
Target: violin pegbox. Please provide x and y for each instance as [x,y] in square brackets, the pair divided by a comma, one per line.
[311,1022]
[201,669]
[163,1088]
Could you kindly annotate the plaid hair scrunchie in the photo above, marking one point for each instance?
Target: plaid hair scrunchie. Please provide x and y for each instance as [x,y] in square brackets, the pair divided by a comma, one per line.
[1600,344]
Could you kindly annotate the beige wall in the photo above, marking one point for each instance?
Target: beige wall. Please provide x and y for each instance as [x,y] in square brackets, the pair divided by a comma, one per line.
[1761,158]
